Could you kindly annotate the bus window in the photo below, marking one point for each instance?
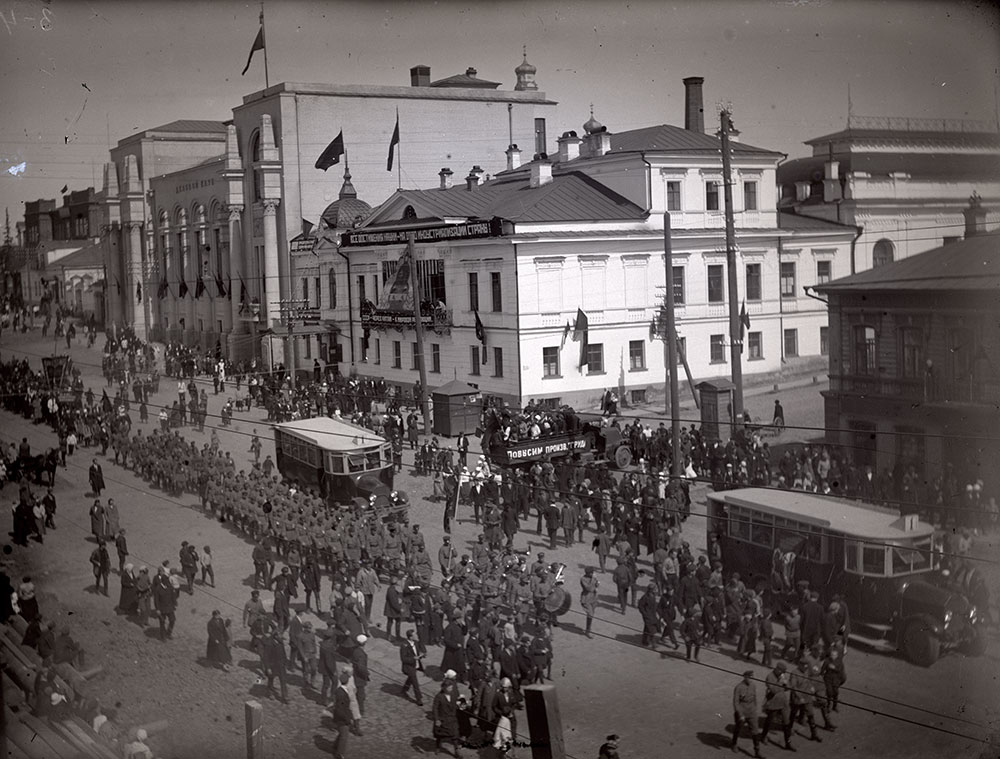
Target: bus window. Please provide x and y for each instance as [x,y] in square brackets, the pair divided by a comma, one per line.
[762,529]
[335,463]
[873,560]
[313,453]
[851,557]
[922,556]
[373,459]
[910,559]
[739,523]
[355,462]
[813,548]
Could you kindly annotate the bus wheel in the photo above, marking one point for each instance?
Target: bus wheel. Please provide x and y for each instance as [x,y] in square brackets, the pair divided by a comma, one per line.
[623,457]
[976,644]
[920,644]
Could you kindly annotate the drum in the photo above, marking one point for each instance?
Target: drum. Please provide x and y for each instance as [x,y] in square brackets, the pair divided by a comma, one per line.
[558,601]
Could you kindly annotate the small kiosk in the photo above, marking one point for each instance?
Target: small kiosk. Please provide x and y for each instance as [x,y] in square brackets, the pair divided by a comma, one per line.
[716,408]
[457,408]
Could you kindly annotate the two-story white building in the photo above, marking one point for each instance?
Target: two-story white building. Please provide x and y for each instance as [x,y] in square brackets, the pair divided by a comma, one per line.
[582,231]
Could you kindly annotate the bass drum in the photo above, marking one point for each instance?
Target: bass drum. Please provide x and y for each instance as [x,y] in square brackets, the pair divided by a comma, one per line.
[558,601]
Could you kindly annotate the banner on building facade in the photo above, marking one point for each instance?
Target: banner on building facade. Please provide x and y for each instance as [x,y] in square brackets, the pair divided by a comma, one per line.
[470,230]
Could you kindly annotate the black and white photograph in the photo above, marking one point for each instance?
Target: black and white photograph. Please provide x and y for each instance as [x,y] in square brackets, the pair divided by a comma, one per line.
[515,380]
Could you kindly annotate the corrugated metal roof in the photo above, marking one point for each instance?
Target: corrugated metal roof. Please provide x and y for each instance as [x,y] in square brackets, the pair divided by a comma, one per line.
[953,138]
[464,80]
[917,165]
[191,125]
[568,197]
[971,264]
[665,138]
[88,257]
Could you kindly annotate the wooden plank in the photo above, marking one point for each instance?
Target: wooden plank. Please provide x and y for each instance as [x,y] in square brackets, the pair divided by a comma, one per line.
[254,714]
[59,744]
[89,738]
[541,706]
[30,741]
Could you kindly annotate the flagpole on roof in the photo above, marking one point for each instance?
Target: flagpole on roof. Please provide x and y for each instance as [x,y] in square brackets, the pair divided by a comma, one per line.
[267,79]
[399,178]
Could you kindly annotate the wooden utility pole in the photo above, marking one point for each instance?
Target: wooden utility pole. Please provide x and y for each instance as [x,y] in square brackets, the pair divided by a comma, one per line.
[735,341]
[419,327]
[254,714]
[670,338]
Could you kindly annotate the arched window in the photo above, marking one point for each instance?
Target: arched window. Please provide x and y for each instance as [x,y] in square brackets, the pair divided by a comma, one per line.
[332,284]
[254,159]
[882,254]
[409,213]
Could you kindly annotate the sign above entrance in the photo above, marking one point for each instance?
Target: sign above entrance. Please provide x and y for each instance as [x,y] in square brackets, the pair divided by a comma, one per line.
[468,231]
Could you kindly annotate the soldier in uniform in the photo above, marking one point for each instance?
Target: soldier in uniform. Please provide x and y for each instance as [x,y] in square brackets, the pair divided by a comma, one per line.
[745,710]
[777,704]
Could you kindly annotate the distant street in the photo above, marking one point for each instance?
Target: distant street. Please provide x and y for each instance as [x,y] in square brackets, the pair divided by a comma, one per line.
[661,705]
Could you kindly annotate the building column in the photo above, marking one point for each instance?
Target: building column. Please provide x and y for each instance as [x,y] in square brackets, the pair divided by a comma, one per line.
[271,276]
[237,267]
[139,322]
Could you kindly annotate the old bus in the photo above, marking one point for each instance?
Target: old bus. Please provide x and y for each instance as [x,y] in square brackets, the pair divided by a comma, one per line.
[345,463]
[884,565]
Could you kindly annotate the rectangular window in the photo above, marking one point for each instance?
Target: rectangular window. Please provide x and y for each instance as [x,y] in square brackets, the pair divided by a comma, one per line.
[540,138]
[363,349]
[305,291]
[331,284]
[550,362]
[637,354]
[911,352]
[873,560]
[595,358]
[378,351]
[498,362]
[362,297]
[308,342]
[638,396]
[787,279]
[823,269]
[678,285]
[865,357]
[496,291]
[753,282]
[316,291]
[397,354]
[673,196]
[435,358]
[414,350]
[749,196]
[430,280]
[791,343]
[473,291]
[474,360]
[717,350]
[755,345]
[824,341]
[712,196]
[716,286]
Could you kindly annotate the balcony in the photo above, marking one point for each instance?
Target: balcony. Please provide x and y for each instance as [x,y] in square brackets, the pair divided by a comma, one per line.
[926,390]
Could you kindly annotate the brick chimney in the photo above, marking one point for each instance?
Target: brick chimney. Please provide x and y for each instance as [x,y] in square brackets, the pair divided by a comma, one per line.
[569,147]
[975,216]
[471,72]
[445,175]
[541,172]
[420,76]
[513,157]
[475,178]
[802,190]
[694,108]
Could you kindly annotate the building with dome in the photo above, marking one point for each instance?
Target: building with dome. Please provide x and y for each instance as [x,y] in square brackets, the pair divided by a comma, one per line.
[243,189]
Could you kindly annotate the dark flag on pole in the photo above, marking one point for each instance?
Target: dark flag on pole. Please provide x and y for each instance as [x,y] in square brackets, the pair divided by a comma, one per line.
[138,292]
[118,285]
[331,156]
[580,333]
[393,143]
[258,44]
[199,288]
[65,189]
[182,291]
[161,291]
[481,336]
[220,285]
[744,320]
[243,295]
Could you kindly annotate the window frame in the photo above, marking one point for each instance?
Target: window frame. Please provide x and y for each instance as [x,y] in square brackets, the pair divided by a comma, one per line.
[550,352]
[869,367]
[435,358]
[498,362]
[496,292]
[759,347]
[598,350]
[791,332]
[674,195]
[679,288]
[641,345]
[750,188]
[717,342]
[397,354]
[475,366]
[331,283]
[473,281]
[720,279]
[756,279]
[787,281]
[821,278]
[911,352]
[712,200]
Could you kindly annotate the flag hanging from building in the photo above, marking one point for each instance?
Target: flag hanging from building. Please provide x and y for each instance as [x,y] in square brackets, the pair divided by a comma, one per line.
[393,143]
[243,295]
[331,156]
[220,285]
[64,190]
[480,329]
[744,320]
[258,44]
[118,285]
[161,291]
[199,288]
[580,333]
[230,288]
[138,292]
[182,291]
[307,227]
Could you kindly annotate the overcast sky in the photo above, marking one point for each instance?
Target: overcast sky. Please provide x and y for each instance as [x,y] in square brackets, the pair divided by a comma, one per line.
[105,68]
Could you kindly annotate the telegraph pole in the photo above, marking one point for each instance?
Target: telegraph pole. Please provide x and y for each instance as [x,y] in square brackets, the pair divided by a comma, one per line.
[425,409]
[290,311]
[670,338]
[735,341]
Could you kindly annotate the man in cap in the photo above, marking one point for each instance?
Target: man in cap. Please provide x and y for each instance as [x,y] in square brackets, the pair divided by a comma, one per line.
[359,662]
[274,662]
[308,652]
[588,595]
[343,718]
[447,555]
[745,710]
[650,617]
[410,657]
[777,704]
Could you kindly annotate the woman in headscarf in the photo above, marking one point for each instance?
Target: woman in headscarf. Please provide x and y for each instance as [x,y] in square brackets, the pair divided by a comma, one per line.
[218,641]
[128,601]
[112,519]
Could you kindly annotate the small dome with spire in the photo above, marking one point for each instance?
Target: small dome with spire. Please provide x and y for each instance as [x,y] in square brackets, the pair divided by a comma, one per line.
[347,210]
[525,74]
[592,125]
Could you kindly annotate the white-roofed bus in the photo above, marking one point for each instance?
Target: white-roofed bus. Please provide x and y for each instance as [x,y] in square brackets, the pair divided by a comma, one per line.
[884,565]
[346,464]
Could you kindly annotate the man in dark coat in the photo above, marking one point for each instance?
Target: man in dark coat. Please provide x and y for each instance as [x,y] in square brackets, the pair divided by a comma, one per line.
[328,662]
[410,659]
[445,713]
[96,477]
[650,618]
[745,711]
[454,647]
[165,601]
[217,651]
[100,560]
[359,663]
[342,716]
[274,663]
[393,608]
[812,621]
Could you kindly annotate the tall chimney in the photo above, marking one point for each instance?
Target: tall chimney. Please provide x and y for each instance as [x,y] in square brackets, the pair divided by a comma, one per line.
[513,157]
[420,76]
[694,108]
[445,175]
[975,216]
[475,178]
